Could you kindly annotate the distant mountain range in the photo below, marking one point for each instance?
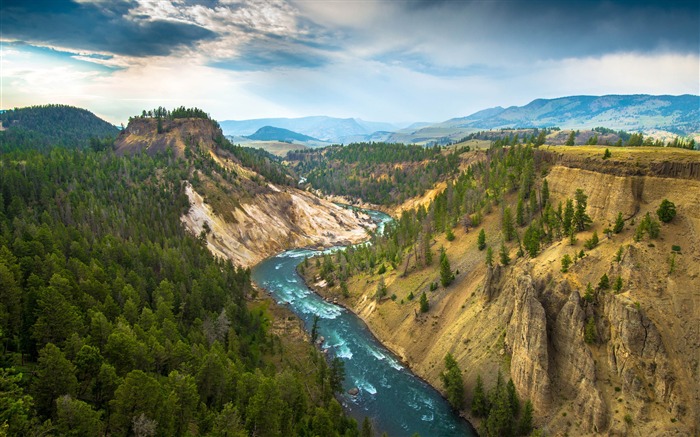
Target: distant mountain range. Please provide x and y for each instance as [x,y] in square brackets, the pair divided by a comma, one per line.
[270,133]
[678,115]
[328,129]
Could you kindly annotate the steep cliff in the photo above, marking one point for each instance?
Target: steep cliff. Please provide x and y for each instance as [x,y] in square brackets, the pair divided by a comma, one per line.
[242,215]
[621,363]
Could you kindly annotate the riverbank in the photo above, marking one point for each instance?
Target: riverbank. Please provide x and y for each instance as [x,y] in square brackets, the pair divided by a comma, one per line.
[335,297]
[398,401]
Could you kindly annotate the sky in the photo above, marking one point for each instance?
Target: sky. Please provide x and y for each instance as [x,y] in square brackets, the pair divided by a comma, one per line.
[397,61]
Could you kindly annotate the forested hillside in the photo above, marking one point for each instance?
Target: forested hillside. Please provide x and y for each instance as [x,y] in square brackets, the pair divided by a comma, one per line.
[38,127]
[378,173]
[515,269]
[116,321]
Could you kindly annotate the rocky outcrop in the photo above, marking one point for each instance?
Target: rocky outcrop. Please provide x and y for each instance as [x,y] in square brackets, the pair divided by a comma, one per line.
[574,366]
[270,223]
[153,136]
[637,355]
[526,338]
[666,169]
[492,282]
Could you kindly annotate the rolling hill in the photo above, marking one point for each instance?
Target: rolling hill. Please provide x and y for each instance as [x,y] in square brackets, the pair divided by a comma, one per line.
[48,125]
[679,115]
[270,133]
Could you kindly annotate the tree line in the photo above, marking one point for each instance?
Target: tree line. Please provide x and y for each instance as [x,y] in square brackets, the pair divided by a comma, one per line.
[115,321]
[379,173]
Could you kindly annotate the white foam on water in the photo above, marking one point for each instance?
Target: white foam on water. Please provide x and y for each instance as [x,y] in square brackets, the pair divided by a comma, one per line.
[394,363]
[427,418]
[378,355]
[385,382]
[344,352]
[366,386]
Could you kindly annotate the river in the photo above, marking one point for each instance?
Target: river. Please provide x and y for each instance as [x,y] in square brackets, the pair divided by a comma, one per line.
[398,402]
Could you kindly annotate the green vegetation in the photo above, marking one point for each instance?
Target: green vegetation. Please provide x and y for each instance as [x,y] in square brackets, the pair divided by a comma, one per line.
[617,286]
[592,242]
[503,253]
[570,141]
[590,332]
[424,305]
[481,240]
[619,224]
[607,153]
[565,263]
[446,274]
[114,319]
[407,241]
[501,409]
[181,112]
[666,211]
[452,380]
[379,173]
[40,127]
[647,226]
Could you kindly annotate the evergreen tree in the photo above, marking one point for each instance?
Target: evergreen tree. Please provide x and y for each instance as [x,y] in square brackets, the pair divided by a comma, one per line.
[565,263]
[513,400]
[446,275]
[580,219]
[525,422]
[77,418]
[617,286]
[531,239]
[427,252]
[666,211]
[452,380]
[479,404]
[619,223]
[505,258]
[520,213]
[367,430]
[507,224]
[481,240]
[489,257]
[604,282]
[314,328]
[571,139]
[545,193]
[568,218]
[337,375]
[424,305]
[55,376]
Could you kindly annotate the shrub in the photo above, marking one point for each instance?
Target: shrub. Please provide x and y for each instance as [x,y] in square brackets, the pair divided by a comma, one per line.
[565,263]
[666,211]
[590,335]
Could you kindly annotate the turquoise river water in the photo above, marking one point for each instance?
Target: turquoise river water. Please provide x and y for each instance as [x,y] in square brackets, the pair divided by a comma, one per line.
[398,402]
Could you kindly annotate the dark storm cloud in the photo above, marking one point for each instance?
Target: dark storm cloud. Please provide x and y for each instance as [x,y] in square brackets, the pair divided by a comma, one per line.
[100,27]
[555,29]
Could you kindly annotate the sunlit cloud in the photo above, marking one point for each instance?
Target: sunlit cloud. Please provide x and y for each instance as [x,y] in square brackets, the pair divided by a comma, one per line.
[382,60]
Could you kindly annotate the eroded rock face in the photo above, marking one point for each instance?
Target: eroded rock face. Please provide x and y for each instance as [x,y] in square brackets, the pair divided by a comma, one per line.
[637,354]
[574,366]
[492,282]
[526,337]
[282,219]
